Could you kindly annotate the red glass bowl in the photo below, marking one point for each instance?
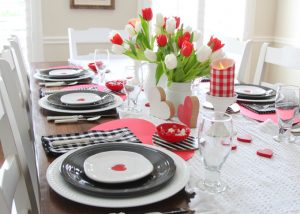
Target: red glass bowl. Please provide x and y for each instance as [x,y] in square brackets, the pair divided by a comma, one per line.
[115,85]
[173,132]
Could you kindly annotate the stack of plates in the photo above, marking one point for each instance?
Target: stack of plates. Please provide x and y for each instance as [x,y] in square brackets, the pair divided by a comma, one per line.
[118,175]
[254,93]
[63,74]
[79,101]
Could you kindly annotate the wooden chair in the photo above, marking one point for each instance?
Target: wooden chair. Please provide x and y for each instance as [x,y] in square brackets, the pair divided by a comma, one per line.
[23,128]
[16,184]
[288,57]
[240,52]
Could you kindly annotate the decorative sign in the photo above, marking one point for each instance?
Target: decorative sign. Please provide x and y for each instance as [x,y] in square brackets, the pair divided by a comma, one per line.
[93,4]
[188,111]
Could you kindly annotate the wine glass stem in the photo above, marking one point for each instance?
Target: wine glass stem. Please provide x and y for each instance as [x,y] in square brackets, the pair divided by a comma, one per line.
[212,178]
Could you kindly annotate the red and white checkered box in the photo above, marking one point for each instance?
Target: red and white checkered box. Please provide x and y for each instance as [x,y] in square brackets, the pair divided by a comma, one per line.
[222,78]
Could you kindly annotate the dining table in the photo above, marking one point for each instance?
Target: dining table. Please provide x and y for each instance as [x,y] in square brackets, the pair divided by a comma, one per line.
[255,184]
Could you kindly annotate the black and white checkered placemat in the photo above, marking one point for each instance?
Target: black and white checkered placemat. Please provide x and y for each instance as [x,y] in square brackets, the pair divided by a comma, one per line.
[121,135]
[188,144]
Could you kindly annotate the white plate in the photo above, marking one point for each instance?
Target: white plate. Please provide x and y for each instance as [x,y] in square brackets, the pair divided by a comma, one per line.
[249,90]
[117,167]
[257,100]
[64,72]
[58,184]
[43,103]
[79,98]
[89,74]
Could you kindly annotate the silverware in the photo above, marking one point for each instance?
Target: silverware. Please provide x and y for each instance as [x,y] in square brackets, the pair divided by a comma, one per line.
[295,130]
[76,119]
[171,211]
[65,117]
[53,84]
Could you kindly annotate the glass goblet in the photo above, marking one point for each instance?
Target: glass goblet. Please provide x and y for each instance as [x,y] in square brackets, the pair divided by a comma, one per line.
[101,61]
[133,82]
[215,138]
[287,107]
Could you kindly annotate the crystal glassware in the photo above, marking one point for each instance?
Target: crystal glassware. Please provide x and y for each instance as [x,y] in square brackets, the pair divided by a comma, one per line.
[287,107]
[215,139]
[101,61]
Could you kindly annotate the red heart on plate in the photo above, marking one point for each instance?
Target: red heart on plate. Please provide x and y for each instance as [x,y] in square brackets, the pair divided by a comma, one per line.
[267,153]
[188,111]
[80,99]
[119,167]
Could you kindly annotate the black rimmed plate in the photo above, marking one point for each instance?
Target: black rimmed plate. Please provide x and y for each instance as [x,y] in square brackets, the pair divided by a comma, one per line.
[251,91]
[55,99]
[164,168]
[62,73]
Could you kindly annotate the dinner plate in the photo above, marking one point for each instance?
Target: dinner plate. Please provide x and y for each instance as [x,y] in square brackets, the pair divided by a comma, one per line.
[269,92]
[268,100]
[72,170]
[86,74]
[69,101]
[249,89]
[43,103]
[117,167]
[58,184]
[62,72]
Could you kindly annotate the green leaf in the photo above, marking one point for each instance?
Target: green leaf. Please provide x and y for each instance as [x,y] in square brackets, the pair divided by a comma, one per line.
[159,72]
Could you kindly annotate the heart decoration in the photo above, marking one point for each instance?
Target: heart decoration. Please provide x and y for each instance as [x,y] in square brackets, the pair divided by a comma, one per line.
[267,153]
[80,99]
[246,138]
[119,167]
[159,106]
[188,111]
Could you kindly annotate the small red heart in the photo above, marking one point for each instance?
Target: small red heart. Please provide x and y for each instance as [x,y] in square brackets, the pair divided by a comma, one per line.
[233,147]
[119,167]
[244,138]
[80,99]
[267,153]
[147,104]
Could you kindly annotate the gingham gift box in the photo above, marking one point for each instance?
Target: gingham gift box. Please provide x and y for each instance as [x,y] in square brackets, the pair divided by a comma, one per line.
[222,78]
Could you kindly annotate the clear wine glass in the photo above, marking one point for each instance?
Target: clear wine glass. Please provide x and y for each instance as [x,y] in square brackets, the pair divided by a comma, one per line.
[133,82]
[287,107]
[101,61]
[215,139]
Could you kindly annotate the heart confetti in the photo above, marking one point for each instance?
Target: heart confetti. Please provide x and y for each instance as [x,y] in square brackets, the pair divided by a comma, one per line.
[267,153]
[119,167]
[244,138]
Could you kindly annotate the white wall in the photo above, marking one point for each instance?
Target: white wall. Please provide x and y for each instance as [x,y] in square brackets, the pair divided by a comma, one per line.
[57,17]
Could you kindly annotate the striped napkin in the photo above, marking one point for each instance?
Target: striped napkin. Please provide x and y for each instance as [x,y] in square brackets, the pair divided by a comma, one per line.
[188,144]
[52,145]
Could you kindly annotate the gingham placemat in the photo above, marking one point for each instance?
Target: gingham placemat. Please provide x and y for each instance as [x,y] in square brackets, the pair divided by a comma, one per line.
[188,144]
[120,135]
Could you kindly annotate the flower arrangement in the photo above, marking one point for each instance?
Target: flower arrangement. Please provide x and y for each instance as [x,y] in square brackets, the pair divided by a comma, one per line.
[171,47]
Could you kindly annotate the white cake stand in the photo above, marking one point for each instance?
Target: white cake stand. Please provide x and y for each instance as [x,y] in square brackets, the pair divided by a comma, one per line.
[221,104]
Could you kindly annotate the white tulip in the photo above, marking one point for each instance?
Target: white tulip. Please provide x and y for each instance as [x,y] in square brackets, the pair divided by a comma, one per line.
[138,27]
[218,54]
[117,49]
[159,20]
[197,35]
[187,29]
[130,30]
[203,53]
[171,61]
[150,55]
[170,25]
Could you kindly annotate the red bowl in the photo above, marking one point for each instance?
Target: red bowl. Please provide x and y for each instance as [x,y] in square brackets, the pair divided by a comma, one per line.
[115,85]
[93,67]
[173,132]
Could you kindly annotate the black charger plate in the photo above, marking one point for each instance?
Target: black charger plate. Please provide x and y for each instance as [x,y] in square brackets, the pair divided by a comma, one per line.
[45,73]
[73,172]
[272,92]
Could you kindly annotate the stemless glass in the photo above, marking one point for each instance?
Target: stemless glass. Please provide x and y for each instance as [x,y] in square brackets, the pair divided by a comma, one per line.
[133,82]
[215,138]
[287,107]
[101,61]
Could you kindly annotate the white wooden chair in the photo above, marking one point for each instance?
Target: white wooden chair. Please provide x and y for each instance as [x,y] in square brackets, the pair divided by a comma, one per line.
[16,186]
[23,129]
[20,66]
[288,57]
[240,52]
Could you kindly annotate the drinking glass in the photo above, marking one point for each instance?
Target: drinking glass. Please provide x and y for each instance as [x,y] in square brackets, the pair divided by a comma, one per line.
[133,82]
[101,60]
[287,107]
[215,139]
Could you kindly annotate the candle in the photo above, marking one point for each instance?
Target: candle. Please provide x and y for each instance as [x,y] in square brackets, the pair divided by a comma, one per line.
[222,78]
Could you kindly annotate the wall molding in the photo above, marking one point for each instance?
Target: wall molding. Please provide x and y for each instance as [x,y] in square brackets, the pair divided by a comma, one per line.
[55,40]
[279,40]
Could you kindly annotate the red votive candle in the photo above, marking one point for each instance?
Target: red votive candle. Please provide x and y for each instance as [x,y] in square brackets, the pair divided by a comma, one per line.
[222,78]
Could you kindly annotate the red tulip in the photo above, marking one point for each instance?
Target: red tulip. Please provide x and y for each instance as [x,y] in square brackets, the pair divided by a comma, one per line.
[117,39]
[177,21]
[147,14]
[187,48]
[161,40]
[215,44]
[185,37]
[133,21]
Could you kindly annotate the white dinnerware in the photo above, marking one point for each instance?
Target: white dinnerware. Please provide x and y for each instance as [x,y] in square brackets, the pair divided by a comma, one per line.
[80,98]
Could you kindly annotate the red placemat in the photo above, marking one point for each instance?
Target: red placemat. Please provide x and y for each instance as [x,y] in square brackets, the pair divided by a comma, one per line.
[100,88]
[261,117]
[143,129]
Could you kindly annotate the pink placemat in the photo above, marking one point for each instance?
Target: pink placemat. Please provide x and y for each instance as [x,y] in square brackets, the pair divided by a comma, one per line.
[100,88]
[261,117]
[143,129]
